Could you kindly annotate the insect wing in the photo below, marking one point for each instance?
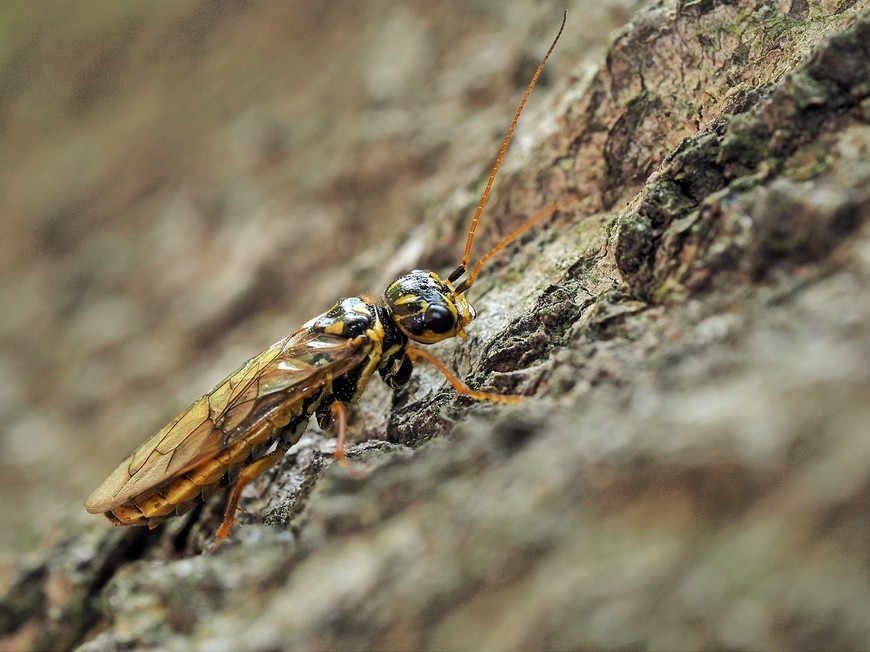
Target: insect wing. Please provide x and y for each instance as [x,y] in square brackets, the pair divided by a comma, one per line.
[297,367]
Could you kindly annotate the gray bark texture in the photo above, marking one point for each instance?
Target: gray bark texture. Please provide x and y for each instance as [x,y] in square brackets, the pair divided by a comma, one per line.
[690,465]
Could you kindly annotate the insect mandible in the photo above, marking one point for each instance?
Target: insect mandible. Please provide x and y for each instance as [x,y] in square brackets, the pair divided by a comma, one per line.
[249,421]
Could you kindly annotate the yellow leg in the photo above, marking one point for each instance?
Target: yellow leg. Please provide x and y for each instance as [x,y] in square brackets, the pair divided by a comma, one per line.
[339,418]
[462,388]
[246,475]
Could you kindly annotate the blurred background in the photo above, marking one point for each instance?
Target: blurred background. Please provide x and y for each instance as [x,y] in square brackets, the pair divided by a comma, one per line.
[182,184]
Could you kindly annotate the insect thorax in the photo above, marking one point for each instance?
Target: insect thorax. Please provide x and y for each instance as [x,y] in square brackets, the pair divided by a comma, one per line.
[363,319]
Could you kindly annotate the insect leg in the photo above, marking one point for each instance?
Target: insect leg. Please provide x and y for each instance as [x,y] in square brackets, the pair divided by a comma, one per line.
[339,418]
[246,475]
[462,388]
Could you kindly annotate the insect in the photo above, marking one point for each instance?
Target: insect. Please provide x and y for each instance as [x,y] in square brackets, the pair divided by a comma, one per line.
[250,420]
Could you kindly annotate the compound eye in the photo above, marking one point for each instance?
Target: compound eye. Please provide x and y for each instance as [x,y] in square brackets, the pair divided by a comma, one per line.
[438,319]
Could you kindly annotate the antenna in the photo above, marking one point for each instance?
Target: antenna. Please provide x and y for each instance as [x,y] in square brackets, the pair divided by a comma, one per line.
[522,228]
[463,267]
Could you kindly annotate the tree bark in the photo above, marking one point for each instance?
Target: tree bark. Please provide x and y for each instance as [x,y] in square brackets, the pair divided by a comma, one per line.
[690,466]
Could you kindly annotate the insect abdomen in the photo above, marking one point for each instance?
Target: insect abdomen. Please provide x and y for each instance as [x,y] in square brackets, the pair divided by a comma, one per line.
[177,495]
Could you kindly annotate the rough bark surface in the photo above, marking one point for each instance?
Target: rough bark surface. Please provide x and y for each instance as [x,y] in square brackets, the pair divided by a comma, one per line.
[691,468]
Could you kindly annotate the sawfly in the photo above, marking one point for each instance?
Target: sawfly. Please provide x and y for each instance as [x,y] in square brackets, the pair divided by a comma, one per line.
[249,421]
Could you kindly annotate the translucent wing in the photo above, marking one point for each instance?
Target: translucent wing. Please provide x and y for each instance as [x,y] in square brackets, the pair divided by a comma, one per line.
[281,376]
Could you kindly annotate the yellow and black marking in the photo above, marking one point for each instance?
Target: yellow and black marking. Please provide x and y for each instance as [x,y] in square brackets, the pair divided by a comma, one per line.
[246,424]
[428,309]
